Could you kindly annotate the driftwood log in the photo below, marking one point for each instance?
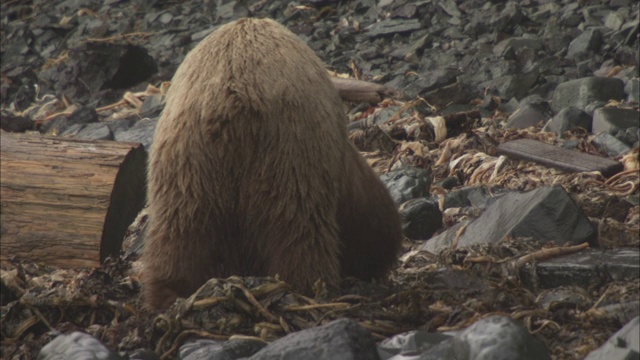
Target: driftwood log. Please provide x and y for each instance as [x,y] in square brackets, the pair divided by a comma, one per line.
[67,202]
[363,91]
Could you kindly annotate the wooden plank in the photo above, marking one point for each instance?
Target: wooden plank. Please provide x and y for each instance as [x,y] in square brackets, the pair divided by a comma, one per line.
[67,202]
[559,158]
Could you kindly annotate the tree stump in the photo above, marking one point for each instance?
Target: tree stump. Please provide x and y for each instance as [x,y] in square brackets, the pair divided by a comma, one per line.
[68,202]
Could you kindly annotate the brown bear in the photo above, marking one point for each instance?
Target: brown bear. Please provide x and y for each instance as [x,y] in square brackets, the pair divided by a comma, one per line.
[251,172]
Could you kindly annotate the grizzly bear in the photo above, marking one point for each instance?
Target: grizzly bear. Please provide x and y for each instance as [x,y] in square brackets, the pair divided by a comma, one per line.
[251,172]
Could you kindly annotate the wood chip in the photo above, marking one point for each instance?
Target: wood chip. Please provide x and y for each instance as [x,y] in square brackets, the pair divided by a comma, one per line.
[559,158]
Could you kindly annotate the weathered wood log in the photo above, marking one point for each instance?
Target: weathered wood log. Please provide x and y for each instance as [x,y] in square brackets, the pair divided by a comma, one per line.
[67,202]
[363,91]
[559,158]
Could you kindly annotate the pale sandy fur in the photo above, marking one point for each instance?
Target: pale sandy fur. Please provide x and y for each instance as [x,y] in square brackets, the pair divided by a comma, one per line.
[251,172]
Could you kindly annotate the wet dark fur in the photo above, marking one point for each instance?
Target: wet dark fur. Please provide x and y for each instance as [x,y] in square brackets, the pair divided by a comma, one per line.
[251,172]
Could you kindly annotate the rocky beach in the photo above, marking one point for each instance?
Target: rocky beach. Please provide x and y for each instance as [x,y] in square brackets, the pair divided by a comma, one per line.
[506,131]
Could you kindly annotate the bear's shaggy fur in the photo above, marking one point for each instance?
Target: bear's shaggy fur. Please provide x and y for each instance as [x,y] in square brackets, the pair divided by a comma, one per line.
[251,172]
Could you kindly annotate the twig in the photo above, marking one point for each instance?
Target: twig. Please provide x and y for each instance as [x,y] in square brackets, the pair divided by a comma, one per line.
[545,254]
[121,36]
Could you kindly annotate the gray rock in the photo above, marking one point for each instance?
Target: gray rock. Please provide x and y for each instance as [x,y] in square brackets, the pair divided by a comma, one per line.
[95,131]
[405,184]
[610,144]
[76,345]
[141,132]
[72,130]
[59,124]
[205,349]
[623,312]
[422,218]
[410,345]
[341,339]
[526,116]
[494,337]
[587,268]
[582,92]
[632,89]
[545,214]
[571,297]
[610,120]
[393,26]
[630,136]
[95,66]
[516,44]
[152,106]
[497,338]
[118,126]
[624,344]
[512,86]
[83,115]
[570,144]
[449,182]
[615,19]
[382,116]
[569,118]
[413,51]
[476,196]
[587,43]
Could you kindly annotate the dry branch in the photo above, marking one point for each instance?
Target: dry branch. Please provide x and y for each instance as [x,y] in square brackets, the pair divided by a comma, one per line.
[363,91]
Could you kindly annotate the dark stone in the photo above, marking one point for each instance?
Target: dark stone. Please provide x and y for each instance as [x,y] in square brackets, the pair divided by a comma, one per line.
[76,345]
[629,136]
[545,214]
[516,44]
[567,119]
[509,18]
[340,339]
[407,183]
[610,144]
[494,337]
[610,120]
[632,89]
[582,92]
[587,43]
[204,349]
[476,196]
[83,115]
[457,92]
[570,144]
[406,11]
[624,344]
[118,126]
[422,218]
[135,66]
[569,297]
[142,132]
[498,338]
[527,116]
[58,125]
[512,86]
[588,268]
[392,26]
[95,131]
[55,126]
[72,130]
[14,123]
[413,51]
[95,66]
[449,182]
